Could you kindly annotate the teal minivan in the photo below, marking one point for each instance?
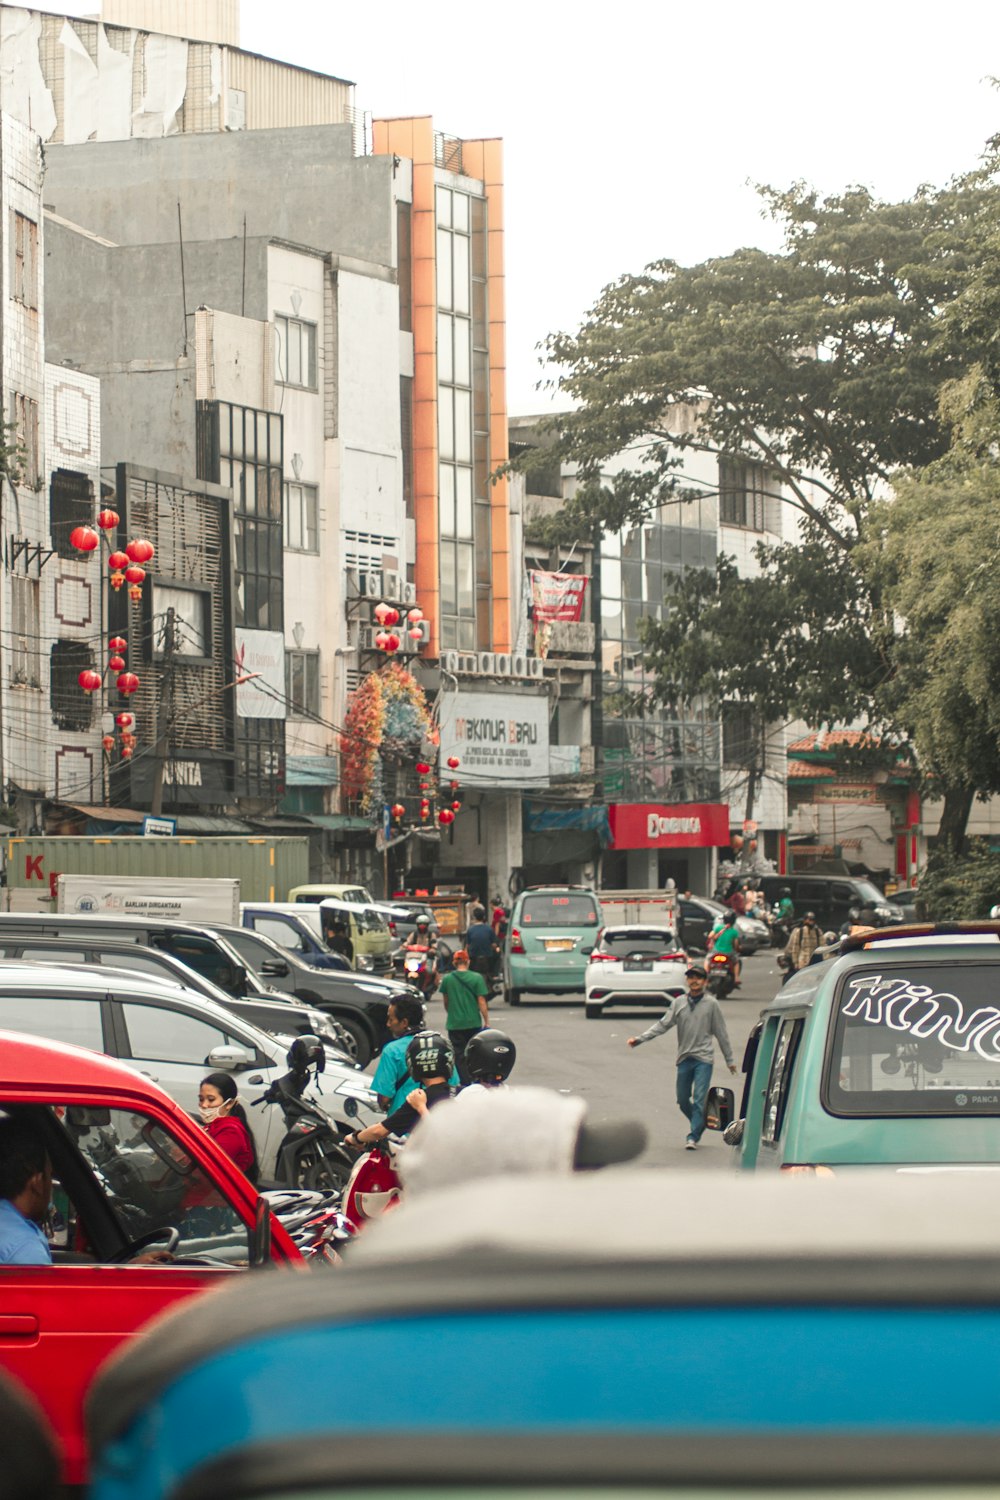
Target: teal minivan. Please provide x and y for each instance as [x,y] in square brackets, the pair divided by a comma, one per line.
[550,936]
[887,1055]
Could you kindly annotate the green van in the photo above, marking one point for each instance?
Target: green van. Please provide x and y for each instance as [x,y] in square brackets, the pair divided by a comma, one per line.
[886,1055]
[550,937]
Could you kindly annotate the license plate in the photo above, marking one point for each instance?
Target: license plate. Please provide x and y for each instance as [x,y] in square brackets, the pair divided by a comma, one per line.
[638,966]
[558,945]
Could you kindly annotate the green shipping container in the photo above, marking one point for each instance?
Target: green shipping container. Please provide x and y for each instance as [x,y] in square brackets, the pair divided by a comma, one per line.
[267,868]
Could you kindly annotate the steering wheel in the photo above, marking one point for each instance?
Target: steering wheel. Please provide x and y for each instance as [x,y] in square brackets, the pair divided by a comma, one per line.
[168,1235]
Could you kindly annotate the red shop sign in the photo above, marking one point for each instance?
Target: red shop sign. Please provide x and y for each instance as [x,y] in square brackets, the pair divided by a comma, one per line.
[684,825]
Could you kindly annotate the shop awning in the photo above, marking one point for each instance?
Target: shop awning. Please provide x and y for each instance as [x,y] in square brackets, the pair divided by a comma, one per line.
[341,823]
[311,770]
[539,819]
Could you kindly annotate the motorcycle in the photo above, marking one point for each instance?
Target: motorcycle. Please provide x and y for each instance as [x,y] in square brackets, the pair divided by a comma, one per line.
[721,975]
[314,1222]
[310,1155]
[417,968]
[373,1186]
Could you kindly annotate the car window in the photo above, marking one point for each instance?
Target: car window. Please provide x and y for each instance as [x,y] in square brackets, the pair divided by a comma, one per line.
[55,955]
[569,910]
[280,931]
[151,1182]
[199,953]
[779,1081]
[146,963]
[639,940]
[69,1020]
[157,1033]
[841,892]
[356,894]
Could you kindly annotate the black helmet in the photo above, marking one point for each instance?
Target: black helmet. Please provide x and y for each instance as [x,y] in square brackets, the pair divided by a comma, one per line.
[729,919]
[490,1056]
[429,1055]
[786,890]
[305,1052]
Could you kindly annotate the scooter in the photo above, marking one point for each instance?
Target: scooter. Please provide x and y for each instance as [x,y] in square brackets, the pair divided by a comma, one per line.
[721,975]
[373,1186]
[417,970]
[313,1220]
[310,1155]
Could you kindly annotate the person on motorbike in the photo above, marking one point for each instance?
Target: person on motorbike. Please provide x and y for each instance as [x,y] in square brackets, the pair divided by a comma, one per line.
[489,1061]
[392,1081]
[422,940]
[727,941]
[430,1062]
[785,909]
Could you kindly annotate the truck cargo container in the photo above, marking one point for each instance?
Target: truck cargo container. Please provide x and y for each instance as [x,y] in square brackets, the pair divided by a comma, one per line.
[266,868]
[195,899]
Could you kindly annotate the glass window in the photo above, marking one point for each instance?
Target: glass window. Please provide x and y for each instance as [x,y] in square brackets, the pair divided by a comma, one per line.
[281,932]
[151,1183]
[446,422]
[916,1038]
[449,587]
[302,517]
[446,364]
[181,621]
[76,1021]
[443,200]
[779,1082]
[145,963]
[200,954]
[302,683]
[444,240]
[159,1034]
[460,211]
[446,512]
[466,580]
[560,911]
[460,274]
[463,502]
[463,426]
[641,940]
[462,351]
[295,352]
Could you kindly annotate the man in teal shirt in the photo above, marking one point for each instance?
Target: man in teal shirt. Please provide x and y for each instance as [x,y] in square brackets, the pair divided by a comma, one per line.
[727,940]
[392,1081]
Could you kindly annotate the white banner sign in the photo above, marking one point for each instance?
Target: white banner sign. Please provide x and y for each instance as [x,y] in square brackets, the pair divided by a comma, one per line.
[501,739]
[262,653]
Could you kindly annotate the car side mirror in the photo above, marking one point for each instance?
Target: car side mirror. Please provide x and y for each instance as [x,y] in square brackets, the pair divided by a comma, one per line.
[274,968]
[720,1109]
[229,1058]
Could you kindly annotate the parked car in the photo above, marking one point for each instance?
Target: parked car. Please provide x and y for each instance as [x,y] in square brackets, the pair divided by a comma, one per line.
[698,915]
[832,898]
[663,1334]
[174,1038]
[215,951]
[634,965]
[551,936]
[363,917]
[886,1055]
[129,1167]
[286,1017]
[297,928]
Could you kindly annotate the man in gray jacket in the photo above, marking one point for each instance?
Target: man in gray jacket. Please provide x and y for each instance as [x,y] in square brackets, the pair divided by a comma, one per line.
[698,1018]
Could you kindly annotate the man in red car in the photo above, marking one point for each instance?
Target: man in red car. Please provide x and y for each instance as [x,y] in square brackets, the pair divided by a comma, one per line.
[25,1194]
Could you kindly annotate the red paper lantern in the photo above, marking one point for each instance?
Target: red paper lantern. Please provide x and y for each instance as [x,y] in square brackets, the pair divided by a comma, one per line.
[457,806]
[126,752]
[140,551]
[116,664]
[118,643]
[380,611]
[380,639]
[135,592]
[391,616]
[128,683]
[135,574]
[453,763]
[398,811]
[108,742]
[84,538]
[422,768]
[118,562]
[107,520]
[416,634]
[446,816]
[453,786]
[124,721]
[392,643]
[89,680]
[415,615]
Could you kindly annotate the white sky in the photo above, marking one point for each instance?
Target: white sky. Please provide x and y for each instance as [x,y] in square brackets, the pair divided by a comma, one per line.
[632,132]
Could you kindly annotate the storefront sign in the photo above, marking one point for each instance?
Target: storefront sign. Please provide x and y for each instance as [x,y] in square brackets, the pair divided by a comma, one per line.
[500,739]
[864,793]
[260,655]
[685,825]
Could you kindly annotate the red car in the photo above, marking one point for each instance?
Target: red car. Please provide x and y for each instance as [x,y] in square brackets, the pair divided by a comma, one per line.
[131,1173]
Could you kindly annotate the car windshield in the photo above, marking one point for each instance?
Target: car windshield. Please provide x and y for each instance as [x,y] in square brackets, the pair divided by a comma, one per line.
[869,894]
[639,940]
[572,910]
[916,1038]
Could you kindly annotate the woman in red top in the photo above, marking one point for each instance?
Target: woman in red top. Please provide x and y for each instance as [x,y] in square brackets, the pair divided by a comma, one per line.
[225,1119]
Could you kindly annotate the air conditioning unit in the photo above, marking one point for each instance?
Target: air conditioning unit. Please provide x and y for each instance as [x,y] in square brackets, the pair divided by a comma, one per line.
[366,637]
[371,584]
[449,660]
[425,634]
[409,593]
[536,667]
[391,586]
[487,663]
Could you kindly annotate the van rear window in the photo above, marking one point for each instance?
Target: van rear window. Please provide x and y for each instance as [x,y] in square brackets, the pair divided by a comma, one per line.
[916,1039]
[575,909]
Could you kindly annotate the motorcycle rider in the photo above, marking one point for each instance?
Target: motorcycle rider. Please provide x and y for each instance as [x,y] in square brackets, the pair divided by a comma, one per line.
[430,1062]
[489,1061]
[727,941]
[785,909]
[392,1081]
[421,940]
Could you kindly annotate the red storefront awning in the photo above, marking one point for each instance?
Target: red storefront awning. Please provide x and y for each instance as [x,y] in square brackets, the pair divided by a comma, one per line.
[682,825]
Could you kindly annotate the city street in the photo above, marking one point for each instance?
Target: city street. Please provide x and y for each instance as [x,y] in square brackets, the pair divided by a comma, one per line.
[560,1049]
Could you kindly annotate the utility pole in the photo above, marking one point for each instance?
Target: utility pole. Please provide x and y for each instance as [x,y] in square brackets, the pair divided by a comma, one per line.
[164,712]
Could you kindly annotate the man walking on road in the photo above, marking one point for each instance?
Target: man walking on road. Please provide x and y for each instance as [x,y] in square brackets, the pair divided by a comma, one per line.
[698,1018]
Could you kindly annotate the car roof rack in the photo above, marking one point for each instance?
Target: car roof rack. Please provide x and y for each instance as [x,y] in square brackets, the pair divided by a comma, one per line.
[918,929]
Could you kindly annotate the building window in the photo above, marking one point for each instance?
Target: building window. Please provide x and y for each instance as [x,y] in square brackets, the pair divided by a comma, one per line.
[24,663]
[25,458]
[406,439]
[295,352]
[404,265]
[302,684]
[72,709]
[71,503]
[182,622]
[302,517]
[743,490]
[24,252]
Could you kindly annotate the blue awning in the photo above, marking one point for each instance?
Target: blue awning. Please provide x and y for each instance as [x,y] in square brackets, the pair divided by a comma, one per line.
[311,770]
[539,819]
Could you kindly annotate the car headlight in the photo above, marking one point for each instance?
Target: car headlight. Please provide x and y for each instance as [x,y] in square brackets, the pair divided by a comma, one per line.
[365,961]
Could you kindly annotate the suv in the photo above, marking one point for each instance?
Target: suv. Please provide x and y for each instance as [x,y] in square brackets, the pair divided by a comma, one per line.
[832,898]
[216,953]
[552,932]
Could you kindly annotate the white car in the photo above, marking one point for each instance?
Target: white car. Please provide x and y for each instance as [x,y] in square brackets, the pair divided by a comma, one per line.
[175,1038]
[640,964]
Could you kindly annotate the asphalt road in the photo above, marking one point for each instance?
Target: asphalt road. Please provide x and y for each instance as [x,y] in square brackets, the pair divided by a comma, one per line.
[559,1048]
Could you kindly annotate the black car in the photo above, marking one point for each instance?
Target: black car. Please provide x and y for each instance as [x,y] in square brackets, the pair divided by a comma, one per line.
[832,898]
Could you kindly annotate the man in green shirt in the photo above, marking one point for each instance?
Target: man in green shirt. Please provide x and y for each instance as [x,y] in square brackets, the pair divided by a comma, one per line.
[727,940]
[465,1002]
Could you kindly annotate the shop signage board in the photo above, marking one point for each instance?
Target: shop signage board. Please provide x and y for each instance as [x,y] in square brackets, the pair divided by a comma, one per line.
[260,655]
[682,825]
[500,739]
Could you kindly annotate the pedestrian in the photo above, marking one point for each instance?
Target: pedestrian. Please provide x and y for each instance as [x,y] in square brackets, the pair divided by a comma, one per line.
[339,942]
[465,1000]
[225,1119]
[481,944]
[699,1019]
[802,944]
[393,1081]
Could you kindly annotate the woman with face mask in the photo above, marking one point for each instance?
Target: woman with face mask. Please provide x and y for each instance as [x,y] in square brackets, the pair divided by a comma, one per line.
[225,1119]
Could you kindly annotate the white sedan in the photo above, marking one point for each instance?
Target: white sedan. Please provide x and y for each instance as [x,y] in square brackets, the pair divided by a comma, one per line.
[634,965]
